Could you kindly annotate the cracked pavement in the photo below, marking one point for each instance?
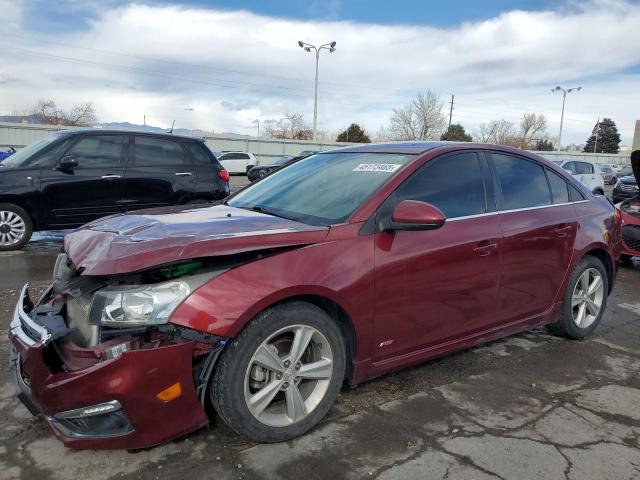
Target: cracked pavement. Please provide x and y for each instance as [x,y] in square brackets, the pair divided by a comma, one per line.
[529,406]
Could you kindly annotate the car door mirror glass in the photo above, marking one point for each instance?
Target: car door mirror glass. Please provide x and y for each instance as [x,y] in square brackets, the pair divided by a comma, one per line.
[67,163]
[416,215]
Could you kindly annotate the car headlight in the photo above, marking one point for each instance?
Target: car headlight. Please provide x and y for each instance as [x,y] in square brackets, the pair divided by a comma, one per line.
[137,305]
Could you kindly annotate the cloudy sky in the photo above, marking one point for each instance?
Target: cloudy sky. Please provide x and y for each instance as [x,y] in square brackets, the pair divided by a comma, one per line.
[222,65]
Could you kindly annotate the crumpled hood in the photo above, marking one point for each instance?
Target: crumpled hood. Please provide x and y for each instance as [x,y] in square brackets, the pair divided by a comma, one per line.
[148,238]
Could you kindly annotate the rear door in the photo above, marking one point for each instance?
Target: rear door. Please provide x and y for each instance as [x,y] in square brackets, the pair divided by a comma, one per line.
[206,171]
[539,226]
[92,189]
[160,172]
[434,286]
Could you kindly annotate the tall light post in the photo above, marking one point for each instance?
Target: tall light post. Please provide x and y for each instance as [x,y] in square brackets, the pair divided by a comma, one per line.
[307,47]
[564,97]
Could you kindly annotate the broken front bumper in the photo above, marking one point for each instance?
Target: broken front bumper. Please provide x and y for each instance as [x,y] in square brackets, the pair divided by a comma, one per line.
[112,404]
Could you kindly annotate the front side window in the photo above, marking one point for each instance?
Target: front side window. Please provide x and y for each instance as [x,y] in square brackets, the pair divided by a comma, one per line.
[523,182]
[452,183]
[322,189]
[98,151]
[149,151]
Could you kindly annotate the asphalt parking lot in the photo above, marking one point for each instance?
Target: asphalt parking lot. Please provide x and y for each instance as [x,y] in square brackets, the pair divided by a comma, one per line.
[528,407]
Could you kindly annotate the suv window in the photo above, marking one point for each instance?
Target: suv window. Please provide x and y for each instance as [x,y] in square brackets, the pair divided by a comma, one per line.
[98,151]
[452,183]
[234,156]
[583,168]
[559,188]
[523,182]
[198,153]
[149,151]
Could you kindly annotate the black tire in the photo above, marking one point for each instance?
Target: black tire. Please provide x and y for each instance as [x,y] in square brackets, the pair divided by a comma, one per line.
[565,326]
[262,173]
[227,386]
[249,167]
[598,191]
[28,226]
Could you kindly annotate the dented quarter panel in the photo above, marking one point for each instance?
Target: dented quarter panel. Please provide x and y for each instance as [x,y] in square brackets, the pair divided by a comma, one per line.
[145,239]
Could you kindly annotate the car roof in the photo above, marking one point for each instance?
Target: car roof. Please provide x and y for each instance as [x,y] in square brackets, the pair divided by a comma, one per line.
[395,147]
[138,133]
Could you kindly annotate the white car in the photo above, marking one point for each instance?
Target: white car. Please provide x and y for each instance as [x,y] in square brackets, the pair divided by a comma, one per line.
[586,173]
[237,162]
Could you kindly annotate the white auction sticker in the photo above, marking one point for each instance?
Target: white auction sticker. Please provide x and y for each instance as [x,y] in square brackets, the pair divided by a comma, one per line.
[377,167]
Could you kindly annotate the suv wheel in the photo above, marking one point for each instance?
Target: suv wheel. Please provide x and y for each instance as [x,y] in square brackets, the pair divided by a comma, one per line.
[16,227]
[281,374]
[584,300]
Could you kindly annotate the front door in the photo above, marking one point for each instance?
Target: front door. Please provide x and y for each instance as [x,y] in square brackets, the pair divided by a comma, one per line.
[539,225]
[433,286]
[92,189]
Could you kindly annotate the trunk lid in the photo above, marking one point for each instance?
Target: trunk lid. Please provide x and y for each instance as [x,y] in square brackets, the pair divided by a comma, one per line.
[149,238]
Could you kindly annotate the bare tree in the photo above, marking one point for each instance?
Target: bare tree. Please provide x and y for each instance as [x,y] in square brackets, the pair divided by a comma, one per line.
[501,132]
[292,126]
[46,112]
[533,127]
[421,119]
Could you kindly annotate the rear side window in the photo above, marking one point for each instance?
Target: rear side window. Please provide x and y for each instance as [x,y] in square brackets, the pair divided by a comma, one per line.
[559,188]
[523,182]
[98,151]
[149,151]
[583,168]
[453,184]
[234,156]
[198,153]
[574,194]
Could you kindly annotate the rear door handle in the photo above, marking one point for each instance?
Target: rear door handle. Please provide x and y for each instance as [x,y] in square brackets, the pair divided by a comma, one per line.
[183,174]
[485,247]
[110,177]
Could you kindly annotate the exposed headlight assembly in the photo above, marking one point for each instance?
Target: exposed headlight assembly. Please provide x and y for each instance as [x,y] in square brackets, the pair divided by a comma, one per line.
[129,306]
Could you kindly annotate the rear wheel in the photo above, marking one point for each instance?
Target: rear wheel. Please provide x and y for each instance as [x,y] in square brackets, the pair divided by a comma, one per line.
[584,300]
[16,227]
[282,373]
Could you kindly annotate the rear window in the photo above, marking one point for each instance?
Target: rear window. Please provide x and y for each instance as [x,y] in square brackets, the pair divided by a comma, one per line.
[150,151]
[523,182]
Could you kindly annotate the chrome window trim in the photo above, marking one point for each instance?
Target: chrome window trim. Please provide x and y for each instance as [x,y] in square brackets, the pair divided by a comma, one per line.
[497,212]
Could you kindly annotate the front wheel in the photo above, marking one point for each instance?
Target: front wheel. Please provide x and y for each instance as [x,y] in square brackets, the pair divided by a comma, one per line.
[584,300]
[16,227]
[280,376]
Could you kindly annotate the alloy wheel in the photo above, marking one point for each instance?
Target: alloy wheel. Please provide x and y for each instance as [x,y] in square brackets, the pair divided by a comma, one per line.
[288,375]
[12,228]
[586,301]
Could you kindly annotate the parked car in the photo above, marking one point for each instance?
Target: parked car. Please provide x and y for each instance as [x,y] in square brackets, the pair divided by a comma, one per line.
[263,170]
[7,153]
[626,186]
[263,305]
[307,153]
[630,211]
[76,176]
[586,173]
[237,162]
[608,175]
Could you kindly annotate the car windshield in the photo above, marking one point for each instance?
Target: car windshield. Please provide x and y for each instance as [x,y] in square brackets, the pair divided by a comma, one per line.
[21,157]
[322,189]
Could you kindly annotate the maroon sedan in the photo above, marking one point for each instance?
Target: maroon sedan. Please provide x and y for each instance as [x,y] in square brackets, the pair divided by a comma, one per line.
[630,212]
[340,267]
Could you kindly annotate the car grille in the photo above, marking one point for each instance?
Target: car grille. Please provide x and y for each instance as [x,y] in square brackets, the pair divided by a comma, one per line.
[628,187]
[631,237]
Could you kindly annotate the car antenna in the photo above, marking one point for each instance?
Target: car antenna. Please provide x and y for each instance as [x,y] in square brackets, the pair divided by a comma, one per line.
[171,131]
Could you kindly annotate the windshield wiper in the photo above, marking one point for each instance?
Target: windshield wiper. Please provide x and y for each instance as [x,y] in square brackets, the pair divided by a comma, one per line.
[266,211]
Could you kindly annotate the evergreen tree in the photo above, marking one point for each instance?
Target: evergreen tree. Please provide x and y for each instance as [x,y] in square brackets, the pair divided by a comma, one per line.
[543,145]
[353,134]
[456,133]
[608,138]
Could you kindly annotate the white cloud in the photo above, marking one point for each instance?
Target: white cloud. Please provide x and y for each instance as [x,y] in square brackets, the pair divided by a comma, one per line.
[497,68]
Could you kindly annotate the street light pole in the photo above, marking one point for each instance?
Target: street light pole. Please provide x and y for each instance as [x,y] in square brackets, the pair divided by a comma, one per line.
[308,47]
[564,98]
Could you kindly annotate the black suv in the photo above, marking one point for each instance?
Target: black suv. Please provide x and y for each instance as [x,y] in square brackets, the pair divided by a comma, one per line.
[73,177]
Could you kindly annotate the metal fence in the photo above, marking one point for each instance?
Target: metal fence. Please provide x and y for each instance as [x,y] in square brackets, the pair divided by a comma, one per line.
[19,135]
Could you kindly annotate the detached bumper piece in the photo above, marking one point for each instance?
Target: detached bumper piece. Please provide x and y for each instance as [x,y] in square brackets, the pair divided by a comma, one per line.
[113,403]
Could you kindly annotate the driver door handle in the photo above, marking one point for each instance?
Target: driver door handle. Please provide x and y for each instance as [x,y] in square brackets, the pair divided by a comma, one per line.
[485,248]
[111,177]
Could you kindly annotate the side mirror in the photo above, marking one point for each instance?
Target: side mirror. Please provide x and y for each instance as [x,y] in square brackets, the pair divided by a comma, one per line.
[415,215]
[67,163]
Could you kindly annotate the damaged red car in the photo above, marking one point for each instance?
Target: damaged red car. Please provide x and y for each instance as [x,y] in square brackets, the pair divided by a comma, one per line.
[630,212]
[338,268]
